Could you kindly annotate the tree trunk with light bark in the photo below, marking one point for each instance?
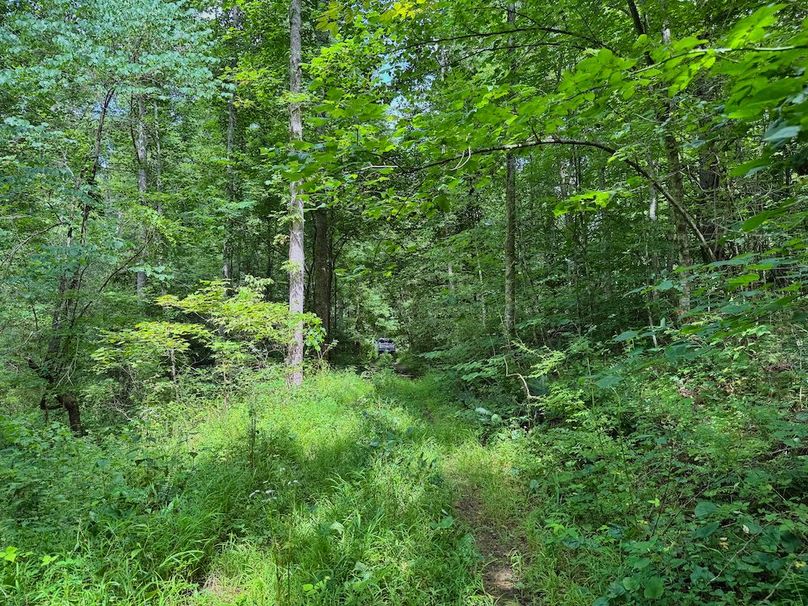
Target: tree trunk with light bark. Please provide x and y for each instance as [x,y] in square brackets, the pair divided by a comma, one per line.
[141,155]
[510,218]
[294,357]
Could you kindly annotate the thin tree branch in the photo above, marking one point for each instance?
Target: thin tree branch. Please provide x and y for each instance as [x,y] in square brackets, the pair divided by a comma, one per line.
[96,159]
[506,32]
[10,258]
[552,30]
[109,278]
[597,145]
[477,51]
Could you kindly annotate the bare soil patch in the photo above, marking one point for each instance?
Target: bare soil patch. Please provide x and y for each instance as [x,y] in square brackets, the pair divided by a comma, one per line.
[500,580]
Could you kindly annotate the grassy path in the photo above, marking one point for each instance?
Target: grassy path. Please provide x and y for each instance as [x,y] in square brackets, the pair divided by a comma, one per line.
[487,498]
[389,498]
[346,492]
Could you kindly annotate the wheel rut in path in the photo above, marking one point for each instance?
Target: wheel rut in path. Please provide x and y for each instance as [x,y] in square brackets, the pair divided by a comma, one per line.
[497,543]
[500,581]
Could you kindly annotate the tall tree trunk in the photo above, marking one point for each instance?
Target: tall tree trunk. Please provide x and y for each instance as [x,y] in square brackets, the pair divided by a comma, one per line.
[71,405]
[510,216]
[157,187]
[294,358]
[227,247]
[139,139]
[681,228]
[269,264]
[675,180]
[483,309]
[335,300]
[322,268]
[234,19]
[713,204]
[450,279]
[510,245]
[63,336]
[677,191]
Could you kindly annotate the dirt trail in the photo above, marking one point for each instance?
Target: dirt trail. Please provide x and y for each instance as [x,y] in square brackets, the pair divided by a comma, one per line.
[499,542]
[500,580]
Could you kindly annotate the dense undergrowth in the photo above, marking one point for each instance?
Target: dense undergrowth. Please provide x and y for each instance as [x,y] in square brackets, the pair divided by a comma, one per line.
[336,497]
[679,485]
[673,476]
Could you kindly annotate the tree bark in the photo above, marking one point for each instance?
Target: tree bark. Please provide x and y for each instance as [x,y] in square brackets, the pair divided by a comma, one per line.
[63,336]
[270,258]
[335,300]
[227,248]
[510,245]
[510,220]
[713,204]
[483,310]
[294,358]
[139,139]
[676,188]
[682,223]
[234,19]
[71,405]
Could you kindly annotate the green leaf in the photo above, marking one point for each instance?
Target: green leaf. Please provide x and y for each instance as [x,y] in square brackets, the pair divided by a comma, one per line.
[586,201]
[653,588]
[608,381]
[707,530]
[442,202]
[748,169]
[781,132]
[625,336]
[743,280]
[758,220]
[445,523]
[9,554]
[753,28]
[700,574]
[705,508]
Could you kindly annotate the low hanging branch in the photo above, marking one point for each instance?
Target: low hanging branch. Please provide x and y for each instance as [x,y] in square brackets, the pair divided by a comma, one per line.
[537,141]
[432,41]
[537,27]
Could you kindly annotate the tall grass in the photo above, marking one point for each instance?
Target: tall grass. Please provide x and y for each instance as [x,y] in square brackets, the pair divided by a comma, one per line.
[384,491]
[328,494]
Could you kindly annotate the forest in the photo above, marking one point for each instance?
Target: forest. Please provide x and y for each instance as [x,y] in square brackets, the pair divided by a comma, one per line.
[403,302]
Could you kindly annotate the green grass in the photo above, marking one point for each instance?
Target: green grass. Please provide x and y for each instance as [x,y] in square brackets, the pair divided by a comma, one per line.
[384,491]
[344,496]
